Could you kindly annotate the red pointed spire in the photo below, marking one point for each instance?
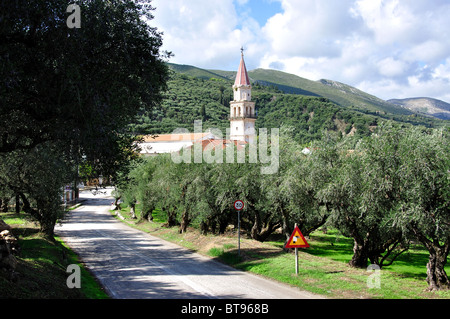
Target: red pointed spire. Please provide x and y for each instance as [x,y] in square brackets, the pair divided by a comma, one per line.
[242,75]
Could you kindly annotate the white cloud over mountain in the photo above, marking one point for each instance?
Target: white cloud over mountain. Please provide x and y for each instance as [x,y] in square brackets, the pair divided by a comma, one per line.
[390,48]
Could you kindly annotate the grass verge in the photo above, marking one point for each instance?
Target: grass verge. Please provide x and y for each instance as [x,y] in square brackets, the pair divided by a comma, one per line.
[42,265]
[323,267]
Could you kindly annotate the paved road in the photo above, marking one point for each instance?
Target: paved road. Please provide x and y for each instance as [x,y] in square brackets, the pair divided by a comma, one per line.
[133,264]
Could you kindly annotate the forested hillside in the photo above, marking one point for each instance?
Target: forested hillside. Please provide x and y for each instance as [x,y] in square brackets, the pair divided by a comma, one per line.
[188,99]
[206,97]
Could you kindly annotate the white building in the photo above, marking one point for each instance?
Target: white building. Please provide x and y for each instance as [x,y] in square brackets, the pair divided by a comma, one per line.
[168,143]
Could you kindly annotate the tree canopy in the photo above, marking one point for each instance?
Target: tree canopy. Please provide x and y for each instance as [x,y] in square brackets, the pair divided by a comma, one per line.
[75,90]
[383,191]
[77,87]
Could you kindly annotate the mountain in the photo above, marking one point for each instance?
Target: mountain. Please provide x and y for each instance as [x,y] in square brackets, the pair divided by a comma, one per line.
[425,105]
[339,93]
[282,100]
[195,71]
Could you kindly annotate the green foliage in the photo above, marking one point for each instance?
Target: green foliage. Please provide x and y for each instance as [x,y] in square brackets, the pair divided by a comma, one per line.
[67,95]
[187,99]
[77,87]
[37,176]
[365,195]
[423,212]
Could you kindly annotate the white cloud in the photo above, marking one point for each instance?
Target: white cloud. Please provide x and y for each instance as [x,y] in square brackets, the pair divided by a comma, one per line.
[308,28]
[198,32]
[389,48]
[390,21]
[443,71]
[391,67]
[380,46]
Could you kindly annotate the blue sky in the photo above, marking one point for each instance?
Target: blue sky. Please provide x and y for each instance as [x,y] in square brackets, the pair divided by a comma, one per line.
[260,10]
[389,48]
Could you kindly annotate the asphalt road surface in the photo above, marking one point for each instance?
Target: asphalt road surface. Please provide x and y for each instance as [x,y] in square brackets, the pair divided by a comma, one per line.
[133,264]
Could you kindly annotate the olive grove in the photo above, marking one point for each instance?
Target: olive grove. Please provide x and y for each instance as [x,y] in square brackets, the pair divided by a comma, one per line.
[384,191]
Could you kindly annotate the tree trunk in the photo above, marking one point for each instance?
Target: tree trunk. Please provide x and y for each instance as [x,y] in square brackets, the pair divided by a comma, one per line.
[172,217]
[203,228]
[116,204]
[388,248]
[4,205]
[133,210]
[212,225]
[147,214]
[436,276]
[261,231]
[17,204]
[268,230]
[46,217]
[223,224]
[360,255]
[48,228]
[286,227]
[184,222]
[256,228]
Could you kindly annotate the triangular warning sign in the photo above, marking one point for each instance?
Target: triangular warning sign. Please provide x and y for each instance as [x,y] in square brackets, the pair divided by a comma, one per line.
[297,240]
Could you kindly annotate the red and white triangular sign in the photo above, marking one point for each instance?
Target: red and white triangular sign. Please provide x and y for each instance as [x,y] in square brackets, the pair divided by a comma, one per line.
[297,240]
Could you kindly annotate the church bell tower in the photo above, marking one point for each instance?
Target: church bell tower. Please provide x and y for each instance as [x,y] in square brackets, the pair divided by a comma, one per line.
[242,109]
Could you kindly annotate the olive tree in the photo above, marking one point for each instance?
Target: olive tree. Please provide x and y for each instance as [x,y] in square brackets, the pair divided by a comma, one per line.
[36,176]
[295,191]
[424,212]
[365,195]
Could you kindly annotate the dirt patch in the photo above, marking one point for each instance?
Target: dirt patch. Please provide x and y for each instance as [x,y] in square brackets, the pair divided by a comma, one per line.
[194,240]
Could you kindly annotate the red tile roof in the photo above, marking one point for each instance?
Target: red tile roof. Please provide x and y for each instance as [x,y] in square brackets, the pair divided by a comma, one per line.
[221,143]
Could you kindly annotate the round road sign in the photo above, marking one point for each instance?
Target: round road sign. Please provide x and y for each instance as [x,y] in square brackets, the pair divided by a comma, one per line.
[238,205]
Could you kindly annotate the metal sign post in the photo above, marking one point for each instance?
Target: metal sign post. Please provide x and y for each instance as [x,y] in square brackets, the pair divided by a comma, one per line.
[239,205]
[239,233]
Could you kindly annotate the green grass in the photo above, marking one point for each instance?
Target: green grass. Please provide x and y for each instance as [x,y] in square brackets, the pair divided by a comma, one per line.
[215,252]
[42,265]
[227,257]
[411,263]
[323,269]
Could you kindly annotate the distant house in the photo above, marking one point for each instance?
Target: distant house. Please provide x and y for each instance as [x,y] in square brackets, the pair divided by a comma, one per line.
[169,143]
[71,194]
[306,151]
